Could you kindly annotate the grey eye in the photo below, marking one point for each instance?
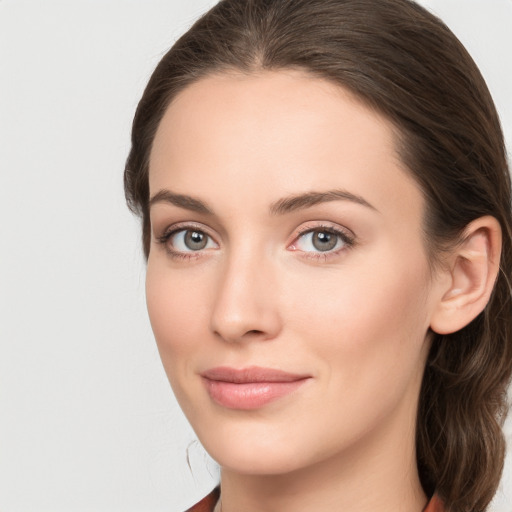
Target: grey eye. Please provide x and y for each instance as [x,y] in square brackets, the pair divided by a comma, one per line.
[324,241]
[191,240]
[195,240]
[321,240]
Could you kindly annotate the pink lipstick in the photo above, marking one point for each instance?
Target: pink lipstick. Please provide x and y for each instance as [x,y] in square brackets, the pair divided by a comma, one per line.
[249,388]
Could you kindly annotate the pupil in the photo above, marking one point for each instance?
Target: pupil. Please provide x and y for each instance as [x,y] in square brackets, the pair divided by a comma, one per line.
[195,240]
[324,241]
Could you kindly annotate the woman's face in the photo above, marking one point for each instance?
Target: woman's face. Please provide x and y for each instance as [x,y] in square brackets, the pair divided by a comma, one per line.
[287,284]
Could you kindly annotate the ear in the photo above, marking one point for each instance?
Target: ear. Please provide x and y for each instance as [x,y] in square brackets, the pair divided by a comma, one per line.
[473,266]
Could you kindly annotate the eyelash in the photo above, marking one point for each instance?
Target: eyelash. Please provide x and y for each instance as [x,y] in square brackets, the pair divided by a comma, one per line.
[347,239]
[180,255]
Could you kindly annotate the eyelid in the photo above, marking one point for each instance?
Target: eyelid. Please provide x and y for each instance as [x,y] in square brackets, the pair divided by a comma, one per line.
[173,229]
[179,226]
[346,235]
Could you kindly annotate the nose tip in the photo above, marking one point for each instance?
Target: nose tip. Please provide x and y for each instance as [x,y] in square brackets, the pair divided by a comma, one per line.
[239,329]
[245,308]
[248,324]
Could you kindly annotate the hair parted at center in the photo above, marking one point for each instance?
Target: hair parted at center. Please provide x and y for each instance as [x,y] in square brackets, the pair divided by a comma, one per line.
[402,61]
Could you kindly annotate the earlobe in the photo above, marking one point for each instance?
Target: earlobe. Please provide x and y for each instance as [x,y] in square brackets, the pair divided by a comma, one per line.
[473,268]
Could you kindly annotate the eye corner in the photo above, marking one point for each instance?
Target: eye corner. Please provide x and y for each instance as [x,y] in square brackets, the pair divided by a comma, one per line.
[304,241]
[186,241]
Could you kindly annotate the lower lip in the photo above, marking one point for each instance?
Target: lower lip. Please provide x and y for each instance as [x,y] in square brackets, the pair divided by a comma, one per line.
[250,395]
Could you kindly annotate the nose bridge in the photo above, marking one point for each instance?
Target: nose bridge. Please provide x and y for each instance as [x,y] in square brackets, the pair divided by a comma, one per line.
[246,305]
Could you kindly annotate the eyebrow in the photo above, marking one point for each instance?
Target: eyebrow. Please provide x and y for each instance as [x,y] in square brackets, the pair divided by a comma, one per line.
[182,201]
[303,201]
[280,207]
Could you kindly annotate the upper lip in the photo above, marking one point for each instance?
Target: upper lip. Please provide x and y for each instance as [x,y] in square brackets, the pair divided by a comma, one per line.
[250,374]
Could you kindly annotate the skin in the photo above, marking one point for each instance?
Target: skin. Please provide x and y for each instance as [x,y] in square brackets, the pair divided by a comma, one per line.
[354,319]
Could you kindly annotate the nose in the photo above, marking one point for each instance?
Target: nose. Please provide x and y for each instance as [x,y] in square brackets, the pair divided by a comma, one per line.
[246,301]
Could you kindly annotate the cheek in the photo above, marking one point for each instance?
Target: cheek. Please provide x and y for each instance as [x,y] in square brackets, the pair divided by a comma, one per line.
[177,311]
[177,306]
[364,334]
[364,321]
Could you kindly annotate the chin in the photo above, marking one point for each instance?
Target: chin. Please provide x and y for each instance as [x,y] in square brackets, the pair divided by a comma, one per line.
[256,461]
[245,451]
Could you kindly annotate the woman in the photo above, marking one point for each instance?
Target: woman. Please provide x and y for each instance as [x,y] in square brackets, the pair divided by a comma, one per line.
[326,215]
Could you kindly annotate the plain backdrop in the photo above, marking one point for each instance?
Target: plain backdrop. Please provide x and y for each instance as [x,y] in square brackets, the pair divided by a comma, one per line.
[87,419]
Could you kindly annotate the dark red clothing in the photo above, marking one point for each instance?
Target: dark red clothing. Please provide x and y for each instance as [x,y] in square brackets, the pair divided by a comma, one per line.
[208,503]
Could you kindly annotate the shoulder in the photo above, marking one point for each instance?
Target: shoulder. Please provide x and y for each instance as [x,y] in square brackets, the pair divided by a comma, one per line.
[207,504]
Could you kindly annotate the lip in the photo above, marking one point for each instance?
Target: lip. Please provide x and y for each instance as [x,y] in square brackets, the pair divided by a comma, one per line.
[249,388]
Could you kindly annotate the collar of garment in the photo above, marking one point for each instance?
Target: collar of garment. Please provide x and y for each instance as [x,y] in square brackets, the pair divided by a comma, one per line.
[207,504]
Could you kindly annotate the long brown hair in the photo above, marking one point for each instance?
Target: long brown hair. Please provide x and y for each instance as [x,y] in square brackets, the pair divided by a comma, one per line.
[405,63]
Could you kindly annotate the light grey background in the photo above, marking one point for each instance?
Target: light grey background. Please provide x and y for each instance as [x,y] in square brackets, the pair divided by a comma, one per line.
[87,419]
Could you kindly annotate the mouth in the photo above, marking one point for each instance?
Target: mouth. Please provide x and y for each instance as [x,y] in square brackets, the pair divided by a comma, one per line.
[249,388]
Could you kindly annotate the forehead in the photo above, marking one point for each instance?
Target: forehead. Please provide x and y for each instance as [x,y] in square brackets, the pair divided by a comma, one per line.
[276,133]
